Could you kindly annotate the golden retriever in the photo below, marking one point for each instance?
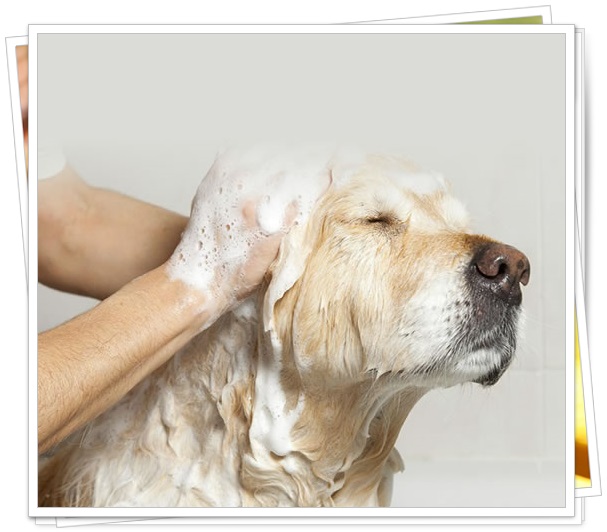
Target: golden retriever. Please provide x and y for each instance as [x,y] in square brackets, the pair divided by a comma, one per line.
[296,397]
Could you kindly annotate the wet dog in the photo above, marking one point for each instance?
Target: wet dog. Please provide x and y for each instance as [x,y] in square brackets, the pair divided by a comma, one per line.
[296,397]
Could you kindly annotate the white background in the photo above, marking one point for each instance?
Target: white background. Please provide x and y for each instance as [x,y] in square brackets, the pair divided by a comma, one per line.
[584,13]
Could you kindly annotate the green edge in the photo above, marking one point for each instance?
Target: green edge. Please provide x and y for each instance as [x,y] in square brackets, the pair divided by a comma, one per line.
[538,19]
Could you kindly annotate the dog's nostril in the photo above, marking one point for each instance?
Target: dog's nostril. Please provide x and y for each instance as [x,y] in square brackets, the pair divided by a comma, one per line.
[501,269]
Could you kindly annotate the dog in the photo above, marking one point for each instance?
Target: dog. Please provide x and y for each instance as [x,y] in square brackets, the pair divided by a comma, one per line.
[297,396]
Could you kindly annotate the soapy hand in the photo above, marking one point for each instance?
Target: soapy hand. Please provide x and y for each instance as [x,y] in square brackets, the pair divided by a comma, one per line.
[242,209]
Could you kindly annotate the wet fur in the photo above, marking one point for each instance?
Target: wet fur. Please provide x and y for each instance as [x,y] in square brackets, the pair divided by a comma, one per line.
[351,340]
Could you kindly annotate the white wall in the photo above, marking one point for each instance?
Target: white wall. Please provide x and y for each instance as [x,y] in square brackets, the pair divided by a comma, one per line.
[144,115]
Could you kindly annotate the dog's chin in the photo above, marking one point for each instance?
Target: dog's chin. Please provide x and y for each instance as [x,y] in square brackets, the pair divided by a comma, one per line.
[485,366]
[491,377]
[484,348]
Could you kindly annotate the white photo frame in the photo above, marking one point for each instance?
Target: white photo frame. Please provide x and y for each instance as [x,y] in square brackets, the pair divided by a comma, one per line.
[35,29]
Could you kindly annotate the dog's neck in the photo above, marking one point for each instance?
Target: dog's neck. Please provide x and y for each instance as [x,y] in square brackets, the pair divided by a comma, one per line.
[284,440]
[300,442]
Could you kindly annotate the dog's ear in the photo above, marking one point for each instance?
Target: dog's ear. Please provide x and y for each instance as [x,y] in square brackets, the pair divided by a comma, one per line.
[285,271]
[290,263]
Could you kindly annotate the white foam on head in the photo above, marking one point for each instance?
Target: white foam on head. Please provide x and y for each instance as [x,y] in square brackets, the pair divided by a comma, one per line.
[349,163]
[218,238]
[281,184]
[269,218]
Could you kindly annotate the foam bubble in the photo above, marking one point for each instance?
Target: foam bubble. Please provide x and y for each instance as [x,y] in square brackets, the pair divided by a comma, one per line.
[218,225]
[270,216]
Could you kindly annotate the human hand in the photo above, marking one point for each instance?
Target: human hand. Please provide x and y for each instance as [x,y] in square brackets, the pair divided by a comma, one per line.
[242,209]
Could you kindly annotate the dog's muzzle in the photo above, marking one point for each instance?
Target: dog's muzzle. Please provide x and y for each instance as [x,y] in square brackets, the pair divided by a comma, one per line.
[495,275]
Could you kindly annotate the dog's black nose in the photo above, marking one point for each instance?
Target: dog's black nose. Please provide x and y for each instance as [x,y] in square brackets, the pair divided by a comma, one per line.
[500,269]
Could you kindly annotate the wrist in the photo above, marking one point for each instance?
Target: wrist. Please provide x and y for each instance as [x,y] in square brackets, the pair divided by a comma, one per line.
[195,308]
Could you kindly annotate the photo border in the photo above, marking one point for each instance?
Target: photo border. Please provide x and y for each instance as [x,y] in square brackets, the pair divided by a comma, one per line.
[566,30]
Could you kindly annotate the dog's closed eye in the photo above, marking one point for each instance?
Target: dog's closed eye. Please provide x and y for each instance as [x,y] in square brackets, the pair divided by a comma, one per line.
[385,220]
[380,218]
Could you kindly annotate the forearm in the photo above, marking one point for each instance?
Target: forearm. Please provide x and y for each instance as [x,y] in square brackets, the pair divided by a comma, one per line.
[93,241]
[87,364]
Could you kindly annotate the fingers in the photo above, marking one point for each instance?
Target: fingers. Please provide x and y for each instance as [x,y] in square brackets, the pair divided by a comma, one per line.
[291,214]
[249,214]
[253,271]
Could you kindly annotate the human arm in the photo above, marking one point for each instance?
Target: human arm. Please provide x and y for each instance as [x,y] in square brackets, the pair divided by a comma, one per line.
[88,364]
[93,241]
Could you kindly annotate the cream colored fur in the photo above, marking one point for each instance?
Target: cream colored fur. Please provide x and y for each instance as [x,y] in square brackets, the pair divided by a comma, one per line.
[297,397]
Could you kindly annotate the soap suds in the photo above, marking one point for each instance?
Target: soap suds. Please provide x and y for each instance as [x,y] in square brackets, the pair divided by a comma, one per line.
[221,231]
[348,163]
[272,422]
[249,194]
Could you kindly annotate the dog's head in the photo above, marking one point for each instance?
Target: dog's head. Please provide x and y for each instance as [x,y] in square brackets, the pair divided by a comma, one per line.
[385,278]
